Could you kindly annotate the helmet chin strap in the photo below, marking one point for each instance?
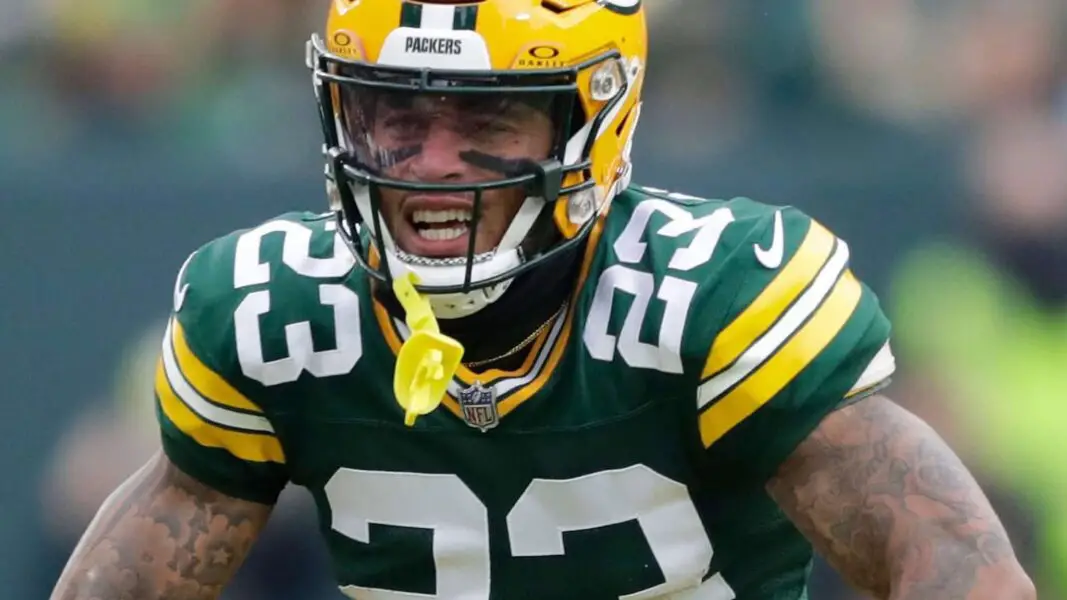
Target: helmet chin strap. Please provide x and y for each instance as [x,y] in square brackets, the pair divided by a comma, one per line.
[441,272]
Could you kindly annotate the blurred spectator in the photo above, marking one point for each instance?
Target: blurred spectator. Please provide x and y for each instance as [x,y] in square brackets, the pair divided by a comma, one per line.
[981,325]
[109,440]
[169,80]
[914,60]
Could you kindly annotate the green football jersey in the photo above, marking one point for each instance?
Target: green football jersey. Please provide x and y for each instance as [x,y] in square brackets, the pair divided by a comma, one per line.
[625,458]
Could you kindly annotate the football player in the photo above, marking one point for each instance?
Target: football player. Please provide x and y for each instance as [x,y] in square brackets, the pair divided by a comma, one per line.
[505,373]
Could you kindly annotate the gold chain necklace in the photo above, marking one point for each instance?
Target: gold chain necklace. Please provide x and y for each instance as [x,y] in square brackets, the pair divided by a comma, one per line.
[525,342]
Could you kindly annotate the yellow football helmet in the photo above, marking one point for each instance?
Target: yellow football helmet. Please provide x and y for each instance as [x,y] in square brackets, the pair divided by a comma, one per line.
[580,63]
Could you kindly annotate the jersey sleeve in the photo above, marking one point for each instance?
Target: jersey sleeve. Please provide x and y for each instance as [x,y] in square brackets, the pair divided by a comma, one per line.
[801,336]
[210,429]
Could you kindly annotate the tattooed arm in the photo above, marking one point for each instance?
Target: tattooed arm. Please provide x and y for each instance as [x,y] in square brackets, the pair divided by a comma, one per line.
[161,535]
[893,509]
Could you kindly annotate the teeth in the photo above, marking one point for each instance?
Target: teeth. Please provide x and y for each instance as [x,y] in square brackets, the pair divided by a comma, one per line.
[441,216]
[442,233]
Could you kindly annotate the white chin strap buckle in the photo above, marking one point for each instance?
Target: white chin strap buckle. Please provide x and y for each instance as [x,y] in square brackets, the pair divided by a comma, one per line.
[457,306]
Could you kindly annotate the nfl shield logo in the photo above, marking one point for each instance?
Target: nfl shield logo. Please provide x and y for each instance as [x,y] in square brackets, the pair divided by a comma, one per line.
[479,406]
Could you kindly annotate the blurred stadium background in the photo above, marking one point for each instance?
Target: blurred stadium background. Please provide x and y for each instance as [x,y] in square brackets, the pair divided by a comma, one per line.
[931,134]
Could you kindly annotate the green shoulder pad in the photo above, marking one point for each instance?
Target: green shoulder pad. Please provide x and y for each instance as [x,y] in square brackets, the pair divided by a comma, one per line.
[794,334]
[213,404]
[753,305]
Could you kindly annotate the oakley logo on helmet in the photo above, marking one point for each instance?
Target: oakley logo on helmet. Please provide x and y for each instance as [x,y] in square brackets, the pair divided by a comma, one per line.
[623,7]
[543,52]
[424,45]
[543,56]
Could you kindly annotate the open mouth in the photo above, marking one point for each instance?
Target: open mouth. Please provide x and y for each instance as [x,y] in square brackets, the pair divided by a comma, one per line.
[441,225]
[437,227]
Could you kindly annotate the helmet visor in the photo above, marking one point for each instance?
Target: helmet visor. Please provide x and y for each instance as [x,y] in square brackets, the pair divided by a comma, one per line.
[434,138]
[451,172]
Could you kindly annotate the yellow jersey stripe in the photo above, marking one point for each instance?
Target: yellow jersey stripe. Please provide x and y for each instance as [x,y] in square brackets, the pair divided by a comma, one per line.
[795,316]
[203,379]
[208,410]
[253,447]
[775,299]
[780,369]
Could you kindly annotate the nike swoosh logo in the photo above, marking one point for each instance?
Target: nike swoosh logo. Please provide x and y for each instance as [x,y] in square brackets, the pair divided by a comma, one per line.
[179,287]
[772,257]
[179,297]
